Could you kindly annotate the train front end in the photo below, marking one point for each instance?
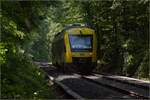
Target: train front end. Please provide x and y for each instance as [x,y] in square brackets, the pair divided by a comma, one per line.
[80,45]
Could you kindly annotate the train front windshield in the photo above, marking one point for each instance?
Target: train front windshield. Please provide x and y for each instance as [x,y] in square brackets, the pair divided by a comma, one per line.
[81,42]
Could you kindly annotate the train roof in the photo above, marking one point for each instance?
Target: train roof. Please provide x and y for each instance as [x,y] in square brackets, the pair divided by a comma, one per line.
[75,25]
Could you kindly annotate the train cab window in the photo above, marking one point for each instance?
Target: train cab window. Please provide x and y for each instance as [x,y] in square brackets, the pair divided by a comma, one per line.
[81,42]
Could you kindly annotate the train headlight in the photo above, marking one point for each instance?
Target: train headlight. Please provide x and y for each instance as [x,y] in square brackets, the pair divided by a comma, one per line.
[90,53]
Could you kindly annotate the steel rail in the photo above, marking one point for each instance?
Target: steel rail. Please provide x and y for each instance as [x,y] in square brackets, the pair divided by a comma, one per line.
[130,93]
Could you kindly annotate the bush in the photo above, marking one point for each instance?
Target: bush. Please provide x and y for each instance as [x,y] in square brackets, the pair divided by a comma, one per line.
[22,79]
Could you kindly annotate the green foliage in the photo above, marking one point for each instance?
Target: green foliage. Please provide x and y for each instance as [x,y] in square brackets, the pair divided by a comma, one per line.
[28,28]
[121,27]
[56,17]
[20,78]
[122,33]
[143,70]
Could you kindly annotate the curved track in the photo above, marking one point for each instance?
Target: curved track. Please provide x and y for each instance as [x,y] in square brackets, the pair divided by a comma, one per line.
[127,86]
[98,86]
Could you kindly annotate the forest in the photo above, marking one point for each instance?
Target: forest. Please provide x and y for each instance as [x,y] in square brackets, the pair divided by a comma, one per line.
[28,29]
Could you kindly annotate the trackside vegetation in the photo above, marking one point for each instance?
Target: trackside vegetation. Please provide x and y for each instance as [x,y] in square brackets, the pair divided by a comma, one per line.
[28,29]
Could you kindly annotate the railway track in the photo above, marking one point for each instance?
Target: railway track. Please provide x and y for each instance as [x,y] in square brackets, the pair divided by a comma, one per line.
[98,86]
[101,88]
[80,88]
[140,91]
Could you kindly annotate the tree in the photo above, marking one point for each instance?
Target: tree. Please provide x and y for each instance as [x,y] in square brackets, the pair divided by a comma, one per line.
[20,78]
[122,33]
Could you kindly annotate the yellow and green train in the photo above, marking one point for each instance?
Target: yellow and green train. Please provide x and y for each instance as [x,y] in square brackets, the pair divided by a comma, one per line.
[75,49]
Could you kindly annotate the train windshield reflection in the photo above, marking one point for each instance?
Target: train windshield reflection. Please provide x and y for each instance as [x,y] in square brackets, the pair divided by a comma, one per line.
[80,42]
